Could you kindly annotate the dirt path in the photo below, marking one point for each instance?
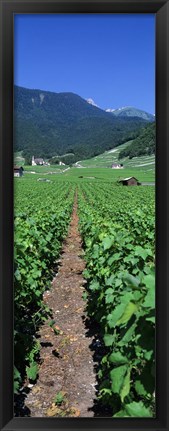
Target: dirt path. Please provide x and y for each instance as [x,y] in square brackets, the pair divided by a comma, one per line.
[67,363]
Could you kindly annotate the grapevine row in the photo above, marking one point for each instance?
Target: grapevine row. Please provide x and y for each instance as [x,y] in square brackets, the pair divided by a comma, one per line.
[41,224]
[118,238]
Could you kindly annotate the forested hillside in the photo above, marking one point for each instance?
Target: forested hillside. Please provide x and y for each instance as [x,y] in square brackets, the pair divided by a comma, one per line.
[48,124]
[144,144]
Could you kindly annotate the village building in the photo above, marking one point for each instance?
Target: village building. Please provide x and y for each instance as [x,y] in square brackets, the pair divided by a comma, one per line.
[117,166]
[36,162]
[131,181]
[39,162]
[61,164]
[18,171]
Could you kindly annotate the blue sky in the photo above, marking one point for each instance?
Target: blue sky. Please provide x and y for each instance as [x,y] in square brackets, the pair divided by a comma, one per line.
[107,57]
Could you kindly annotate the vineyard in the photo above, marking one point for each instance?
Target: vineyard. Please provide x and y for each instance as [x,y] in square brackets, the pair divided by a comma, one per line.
[117,226]
[41,222]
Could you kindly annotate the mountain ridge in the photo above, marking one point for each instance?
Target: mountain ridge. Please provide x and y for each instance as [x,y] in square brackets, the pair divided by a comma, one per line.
[48,124]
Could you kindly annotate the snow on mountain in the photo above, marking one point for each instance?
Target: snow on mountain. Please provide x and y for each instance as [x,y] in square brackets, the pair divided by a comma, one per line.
[91,102]
[118,109]
[129,111]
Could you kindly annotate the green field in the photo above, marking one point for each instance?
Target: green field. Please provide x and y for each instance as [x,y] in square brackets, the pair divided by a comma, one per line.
[112,175]
[88,174]
[45,169]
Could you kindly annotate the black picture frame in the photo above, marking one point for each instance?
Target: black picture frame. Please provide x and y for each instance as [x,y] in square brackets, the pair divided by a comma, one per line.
[7,10]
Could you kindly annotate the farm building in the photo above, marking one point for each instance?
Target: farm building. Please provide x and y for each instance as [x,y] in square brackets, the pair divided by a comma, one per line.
[18,171]
[131,181]
[117,166]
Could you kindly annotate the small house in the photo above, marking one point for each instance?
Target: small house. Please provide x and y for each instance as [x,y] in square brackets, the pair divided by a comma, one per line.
[117,166]
[131,181]
[18,171]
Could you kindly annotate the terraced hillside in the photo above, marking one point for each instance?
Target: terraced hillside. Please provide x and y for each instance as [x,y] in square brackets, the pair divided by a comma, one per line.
[106,159]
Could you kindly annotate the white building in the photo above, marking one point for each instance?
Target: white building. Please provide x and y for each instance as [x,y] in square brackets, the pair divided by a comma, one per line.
[36,162]
[117,166]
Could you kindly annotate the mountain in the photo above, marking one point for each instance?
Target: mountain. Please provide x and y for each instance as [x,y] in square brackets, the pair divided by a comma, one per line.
[144,144]
[129,111]
[47,124]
